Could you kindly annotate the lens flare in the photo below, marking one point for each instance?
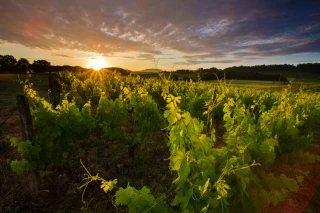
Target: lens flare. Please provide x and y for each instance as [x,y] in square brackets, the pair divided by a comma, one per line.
[97,63]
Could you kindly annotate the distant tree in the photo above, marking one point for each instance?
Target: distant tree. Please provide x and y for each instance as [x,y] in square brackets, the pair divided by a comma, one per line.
[210,76]
[313,68]
[262,68]
[174,77]
[187,78]
[243,75]
[7,62]
[213,69]
[183,71]
[1,58]
[40,66]
[41,63]
[119,70]
[78,69]
[22,64]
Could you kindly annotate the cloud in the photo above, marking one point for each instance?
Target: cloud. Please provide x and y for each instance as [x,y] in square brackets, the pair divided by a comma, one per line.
[3,42]
[206,62]
[62,55]
[146,57]
[309,61]
[152,57]
[206,31]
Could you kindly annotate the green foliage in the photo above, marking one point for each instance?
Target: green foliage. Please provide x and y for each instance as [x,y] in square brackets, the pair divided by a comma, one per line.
[211,173]
[146,117]
[197,164]
[55,133]
[111,117]
[138,200]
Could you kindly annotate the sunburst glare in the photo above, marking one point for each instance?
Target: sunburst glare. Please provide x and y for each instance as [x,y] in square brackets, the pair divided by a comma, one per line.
[97,63]
[100,74]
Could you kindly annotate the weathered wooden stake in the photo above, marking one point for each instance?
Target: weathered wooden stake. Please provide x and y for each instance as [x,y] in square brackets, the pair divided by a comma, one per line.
[131,150]
[55,89]
[26,130]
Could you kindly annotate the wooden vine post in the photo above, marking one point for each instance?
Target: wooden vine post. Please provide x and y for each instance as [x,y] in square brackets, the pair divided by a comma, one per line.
[26,130]
[55,90]
[131,147]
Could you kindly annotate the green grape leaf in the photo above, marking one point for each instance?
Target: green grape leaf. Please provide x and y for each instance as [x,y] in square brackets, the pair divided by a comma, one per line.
[186,198]
[176,160]
[184,169]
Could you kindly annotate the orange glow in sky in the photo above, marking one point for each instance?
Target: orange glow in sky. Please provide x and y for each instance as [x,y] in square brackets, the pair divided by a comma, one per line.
[182,34]
[97,63]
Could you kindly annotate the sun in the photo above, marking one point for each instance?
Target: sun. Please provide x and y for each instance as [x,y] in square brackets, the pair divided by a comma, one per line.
[97,63]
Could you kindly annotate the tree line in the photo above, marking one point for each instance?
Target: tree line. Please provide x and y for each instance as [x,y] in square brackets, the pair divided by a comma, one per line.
[281,68]
[306,68]
[11,64]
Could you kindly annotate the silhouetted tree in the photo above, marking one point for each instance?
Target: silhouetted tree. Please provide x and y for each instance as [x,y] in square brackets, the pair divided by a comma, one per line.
[313,68]
[121,71]
[187,78]
[1,58]
[213,69]
[263,68]
[7,62]
[40,66]
[238,75]
[183,71]
[174,77]
[22,64]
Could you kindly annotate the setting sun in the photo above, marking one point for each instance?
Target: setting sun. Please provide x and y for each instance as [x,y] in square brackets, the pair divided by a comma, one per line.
[97,63]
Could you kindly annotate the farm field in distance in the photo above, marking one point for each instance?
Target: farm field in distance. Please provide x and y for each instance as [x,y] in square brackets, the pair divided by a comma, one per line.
[247,133]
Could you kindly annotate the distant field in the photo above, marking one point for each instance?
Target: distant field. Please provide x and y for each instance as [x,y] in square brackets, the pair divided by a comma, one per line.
[10,86]
[263,84]
[154,74]
[250,83]
[296,76]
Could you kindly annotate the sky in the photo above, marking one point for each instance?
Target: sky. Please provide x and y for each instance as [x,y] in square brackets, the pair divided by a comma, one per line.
[164,34]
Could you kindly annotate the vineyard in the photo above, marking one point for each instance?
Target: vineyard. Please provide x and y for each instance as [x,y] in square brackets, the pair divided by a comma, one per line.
[114,143]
